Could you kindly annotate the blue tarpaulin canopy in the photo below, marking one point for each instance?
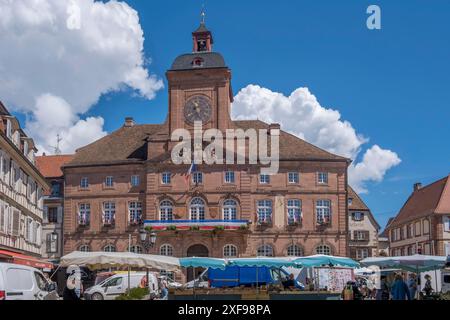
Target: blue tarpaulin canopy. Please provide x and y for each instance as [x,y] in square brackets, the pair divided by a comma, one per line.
[414,263]
[198,262]
[324,260]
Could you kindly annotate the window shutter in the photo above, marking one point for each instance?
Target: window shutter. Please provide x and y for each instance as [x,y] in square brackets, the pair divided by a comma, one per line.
[16,223]
[353,216]
[353,253]
[366,235]
[48,242]
[355,235]
[60,215]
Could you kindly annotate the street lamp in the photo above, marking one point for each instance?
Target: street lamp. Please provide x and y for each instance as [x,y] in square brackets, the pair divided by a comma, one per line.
[148,239]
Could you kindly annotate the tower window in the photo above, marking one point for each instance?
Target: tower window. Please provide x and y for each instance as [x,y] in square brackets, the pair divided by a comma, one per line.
[201,45]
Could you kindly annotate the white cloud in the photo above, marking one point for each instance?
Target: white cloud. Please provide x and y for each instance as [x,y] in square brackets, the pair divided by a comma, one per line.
[41,58]
[376,162]
[302,115]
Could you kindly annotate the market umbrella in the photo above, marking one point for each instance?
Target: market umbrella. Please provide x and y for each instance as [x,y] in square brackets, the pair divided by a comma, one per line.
[321,260]
[415,263]
[264,262]
[199,262]
[105,260]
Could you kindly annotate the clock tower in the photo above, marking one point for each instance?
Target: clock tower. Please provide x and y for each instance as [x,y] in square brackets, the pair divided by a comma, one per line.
[200,86]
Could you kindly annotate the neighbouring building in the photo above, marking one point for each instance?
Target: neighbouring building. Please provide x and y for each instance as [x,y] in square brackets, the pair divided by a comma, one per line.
[127,178]
[21,195]
[362,227]
[383,240]
[52,228]
[423,223]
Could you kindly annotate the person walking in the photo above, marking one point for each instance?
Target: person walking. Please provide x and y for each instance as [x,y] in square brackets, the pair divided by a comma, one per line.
[70,292]
[412,286]
[400,289]
[382,293]
[164,289]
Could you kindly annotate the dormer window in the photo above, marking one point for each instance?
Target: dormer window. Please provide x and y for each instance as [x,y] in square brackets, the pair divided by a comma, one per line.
[25,148]
[198,62]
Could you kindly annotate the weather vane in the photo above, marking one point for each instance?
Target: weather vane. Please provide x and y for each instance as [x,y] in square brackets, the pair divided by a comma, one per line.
[203,14]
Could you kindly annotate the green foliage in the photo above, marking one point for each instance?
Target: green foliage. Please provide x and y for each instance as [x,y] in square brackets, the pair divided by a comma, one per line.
[171,228]
[243,227]
[149,229]
[194,228]
[219,228]
[134,294]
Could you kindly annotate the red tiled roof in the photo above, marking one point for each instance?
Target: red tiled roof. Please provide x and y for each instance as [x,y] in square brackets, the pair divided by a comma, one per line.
[50,166]
[434,198]
[357,203]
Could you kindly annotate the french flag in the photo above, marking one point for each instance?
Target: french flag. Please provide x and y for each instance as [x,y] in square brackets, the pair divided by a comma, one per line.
[192,169]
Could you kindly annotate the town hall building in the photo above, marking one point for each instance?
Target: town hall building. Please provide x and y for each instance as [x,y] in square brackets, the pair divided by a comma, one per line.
[127,180]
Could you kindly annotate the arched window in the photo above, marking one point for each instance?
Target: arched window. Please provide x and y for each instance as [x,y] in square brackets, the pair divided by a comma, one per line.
[265,251]
[294,251]
[230,251]
[323,210]
[84,248]
[166,210]
[197,209]
[109,248]
[136,249]
[166,250]
[323,249]
[229,210]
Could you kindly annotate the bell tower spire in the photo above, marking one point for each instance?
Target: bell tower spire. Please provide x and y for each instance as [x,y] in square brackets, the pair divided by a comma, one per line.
[202,37]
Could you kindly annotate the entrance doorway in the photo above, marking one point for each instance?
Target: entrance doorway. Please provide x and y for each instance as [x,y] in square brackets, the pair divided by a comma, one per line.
[197,250]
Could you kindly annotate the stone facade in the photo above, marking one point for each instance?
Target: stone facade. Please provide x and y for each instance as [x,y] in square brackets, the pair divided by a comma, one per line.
[21,191]
[305,202]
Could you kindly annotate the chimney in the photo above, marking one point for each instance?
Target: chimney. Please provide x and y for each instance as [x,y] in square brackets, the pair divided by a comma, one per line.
[129,122]
[417,186]
[274,126]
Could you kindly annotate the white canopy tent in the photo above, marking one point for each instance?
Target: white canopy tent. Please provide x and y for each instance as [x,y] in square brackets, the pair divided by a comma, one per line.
[104,260]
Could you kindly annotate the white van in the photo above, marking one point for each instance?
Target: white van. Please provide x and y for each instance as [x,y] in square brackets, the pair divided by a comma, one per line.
[112,287]
[18,282]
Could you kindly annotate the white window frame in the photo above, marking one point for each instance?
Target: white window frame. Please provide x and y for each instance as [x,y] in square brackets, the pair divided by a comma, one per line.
[166,210]
[52,242]
[294,250]
[230,177]
[358,216]
[166,250]
[264,211]
[323,212]
[84,248]
[294,211]
[229,210]
[109,248]
[265,250]
[230,251]
[109,212]
[134,212]
[293,178]
[166,178]
[362,253]
[136,249]
[264,179]
[323,249]
[197,209]
[322,177]
[135,180]
[197,177]
[84,214]
[109,182]
[84,183]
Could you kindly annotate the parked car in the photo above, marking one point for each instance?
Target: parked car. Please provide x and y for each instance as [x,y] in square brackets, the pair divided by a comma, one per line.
[18,282]
[112,287]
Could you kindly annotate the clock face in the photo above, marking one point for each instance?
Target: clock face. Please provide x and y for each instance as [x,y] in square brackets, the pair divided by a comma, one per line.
[198,108]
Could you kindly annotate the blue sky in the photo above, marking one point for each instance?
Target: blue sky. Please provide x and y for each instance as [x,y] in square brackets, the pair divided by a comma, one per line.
[391,84]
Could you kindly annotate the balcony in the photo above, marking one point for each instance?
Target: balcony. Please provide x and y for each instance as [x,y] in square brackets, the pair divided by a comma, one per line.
[194,225]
